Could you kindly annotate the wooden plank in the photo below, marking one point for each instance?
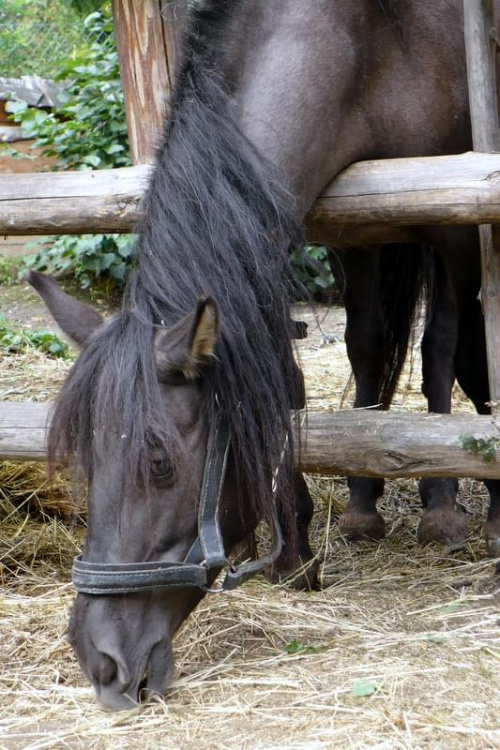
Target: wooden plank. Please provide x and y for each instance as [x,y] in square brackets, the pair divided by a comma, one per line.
[462,189]
[481,47]
[174,16]
[144,72]
[387,444]
[379,195]
[103,201]
[355,442]
[22,431]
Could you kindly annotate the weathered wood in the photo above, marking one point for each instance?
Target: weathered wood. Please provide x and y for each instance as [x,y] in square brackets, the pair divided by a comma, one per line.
[480,46]
[425,190]
[377,195]
[480,49]
[103,201]
[359,442]
[22,431]
[145,74]
[384,444]
[175,15]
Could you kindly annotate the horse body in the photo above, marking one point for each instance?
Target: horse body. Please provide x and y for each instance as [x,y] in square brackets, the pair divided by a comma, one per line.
[270,94]
[378,80]
[340,82]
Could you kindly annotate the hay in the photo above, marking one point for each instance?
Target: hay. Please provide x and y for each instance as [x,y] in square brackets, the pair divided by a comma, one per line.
[265,666]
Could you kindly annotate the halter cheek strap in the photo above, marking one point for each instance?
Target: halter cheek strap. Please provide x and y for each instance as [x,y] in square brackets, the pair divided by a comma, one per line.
[207,555]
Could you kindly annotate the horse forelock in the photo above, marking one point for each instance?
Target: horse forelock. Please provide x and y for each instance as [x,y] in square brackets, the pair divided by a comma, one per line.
[217,222]
[112,397]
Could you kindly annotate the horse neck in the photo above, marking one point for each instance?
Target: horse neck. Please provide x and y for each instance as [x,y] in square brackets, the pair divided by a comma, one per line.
[313,92]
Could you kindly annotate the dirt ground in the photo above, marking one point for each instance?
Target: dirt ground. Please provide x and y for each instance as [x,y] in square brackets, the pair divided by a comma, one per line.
[400,649]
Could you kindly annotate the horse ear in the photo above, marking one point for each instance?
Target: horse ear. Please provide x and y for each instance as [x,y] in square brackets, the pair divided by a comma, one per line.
[188,346]
[76,320]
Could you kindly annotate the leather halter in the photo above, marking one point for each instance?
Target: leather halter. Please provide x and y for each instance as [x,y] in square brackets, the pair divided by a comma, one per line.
[207,555]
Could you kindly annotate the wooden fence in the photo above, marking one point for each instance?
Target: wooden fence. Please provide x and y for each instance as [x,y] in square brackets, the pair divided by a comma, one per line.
[354,442]
[393,194]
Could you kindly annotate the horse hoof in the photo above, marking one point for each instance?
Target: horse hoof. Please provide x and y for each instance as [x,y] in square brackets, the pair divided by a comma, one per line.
[303,577]
[443,526]
[493,546]
[355,525]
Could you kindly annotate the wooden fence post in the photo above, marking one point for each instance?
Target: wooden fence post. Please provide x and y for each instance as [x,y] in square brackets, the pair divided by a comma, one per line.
[481,47]
[148,42]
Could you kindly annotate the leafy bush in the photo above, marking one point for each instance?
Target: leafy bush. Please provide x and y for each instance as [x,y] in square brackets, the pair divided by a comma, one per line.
[88,130]
[18,340]
[312,268]
[36,36]
[9,270]
[88,256]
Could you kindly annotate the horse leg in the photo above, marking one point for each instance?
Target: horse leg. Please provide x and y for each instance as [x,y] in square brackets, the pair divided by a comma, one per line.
[296,556]
[492,526]
[365,340]
[471,365]
[296,561]
[442,521]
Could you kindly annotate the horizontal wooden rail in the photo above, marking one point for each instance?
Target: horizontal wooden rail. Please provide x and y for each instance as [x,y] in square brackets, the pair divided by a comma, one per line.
[364,442]
[463,189]
[99,202]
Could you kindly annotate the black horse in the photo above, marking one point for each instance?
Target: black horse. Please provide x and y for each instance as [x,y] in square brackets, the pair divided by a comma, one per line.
[178,408]
[385,290]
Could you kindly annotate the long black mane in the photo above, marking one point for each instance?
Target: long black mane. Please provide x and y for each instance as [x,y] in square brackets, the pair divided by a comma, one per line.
[219,223]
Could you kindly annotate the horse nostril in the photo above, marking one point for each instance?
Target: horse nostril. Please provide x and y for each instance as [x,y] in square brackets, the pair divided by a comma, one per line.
[112,672]
[108,669]
[143,684]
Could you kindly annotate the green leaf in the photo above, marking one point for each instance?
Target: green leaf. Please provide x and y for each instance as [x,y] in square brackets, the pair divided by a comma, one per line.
[489,454]
[364,688]
[93,160]
[15,107]
[486,447]
[468,443]
[435,638]
[294,647]
[107,261]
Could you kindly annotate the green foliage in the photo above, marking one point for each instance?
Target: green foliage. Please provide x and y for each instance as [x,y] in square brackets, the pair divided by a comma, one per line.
[485,447]
[294,647]
[9,270]
[89,130]
[84,7]
[36,36]
[88,257]
[364,688]
[312,268]
[12,340]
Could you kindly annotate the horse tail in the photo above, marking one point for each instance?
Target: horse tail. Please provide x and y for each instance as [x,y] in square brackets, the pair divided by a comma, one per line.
[406,282]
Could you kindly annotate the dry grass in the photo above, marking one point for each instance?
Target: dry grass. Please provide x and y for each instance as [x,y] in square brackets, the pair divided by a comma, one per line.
[265,666]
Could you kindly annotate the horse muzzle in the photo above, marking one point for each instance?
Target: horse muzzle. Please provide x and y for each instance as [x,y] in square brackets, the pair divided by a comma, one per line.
[127,656]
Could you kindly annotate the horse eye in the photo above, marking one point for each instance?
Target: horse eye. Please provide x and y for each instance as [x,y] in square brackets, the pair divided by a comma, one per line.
[162,472]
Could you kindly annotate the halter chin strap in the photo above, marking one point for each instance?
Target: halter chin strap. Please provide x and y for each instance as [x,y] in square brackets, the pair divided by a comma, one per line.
[207,555]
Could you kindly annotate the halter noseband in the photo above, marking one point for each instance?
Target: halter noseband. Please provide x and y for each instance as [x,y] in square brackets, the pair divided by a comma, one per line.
[207,555]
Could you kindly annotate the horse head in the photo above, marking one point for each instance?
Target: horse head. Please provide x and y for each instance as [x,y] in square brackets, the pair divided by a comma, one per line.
[144,565]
